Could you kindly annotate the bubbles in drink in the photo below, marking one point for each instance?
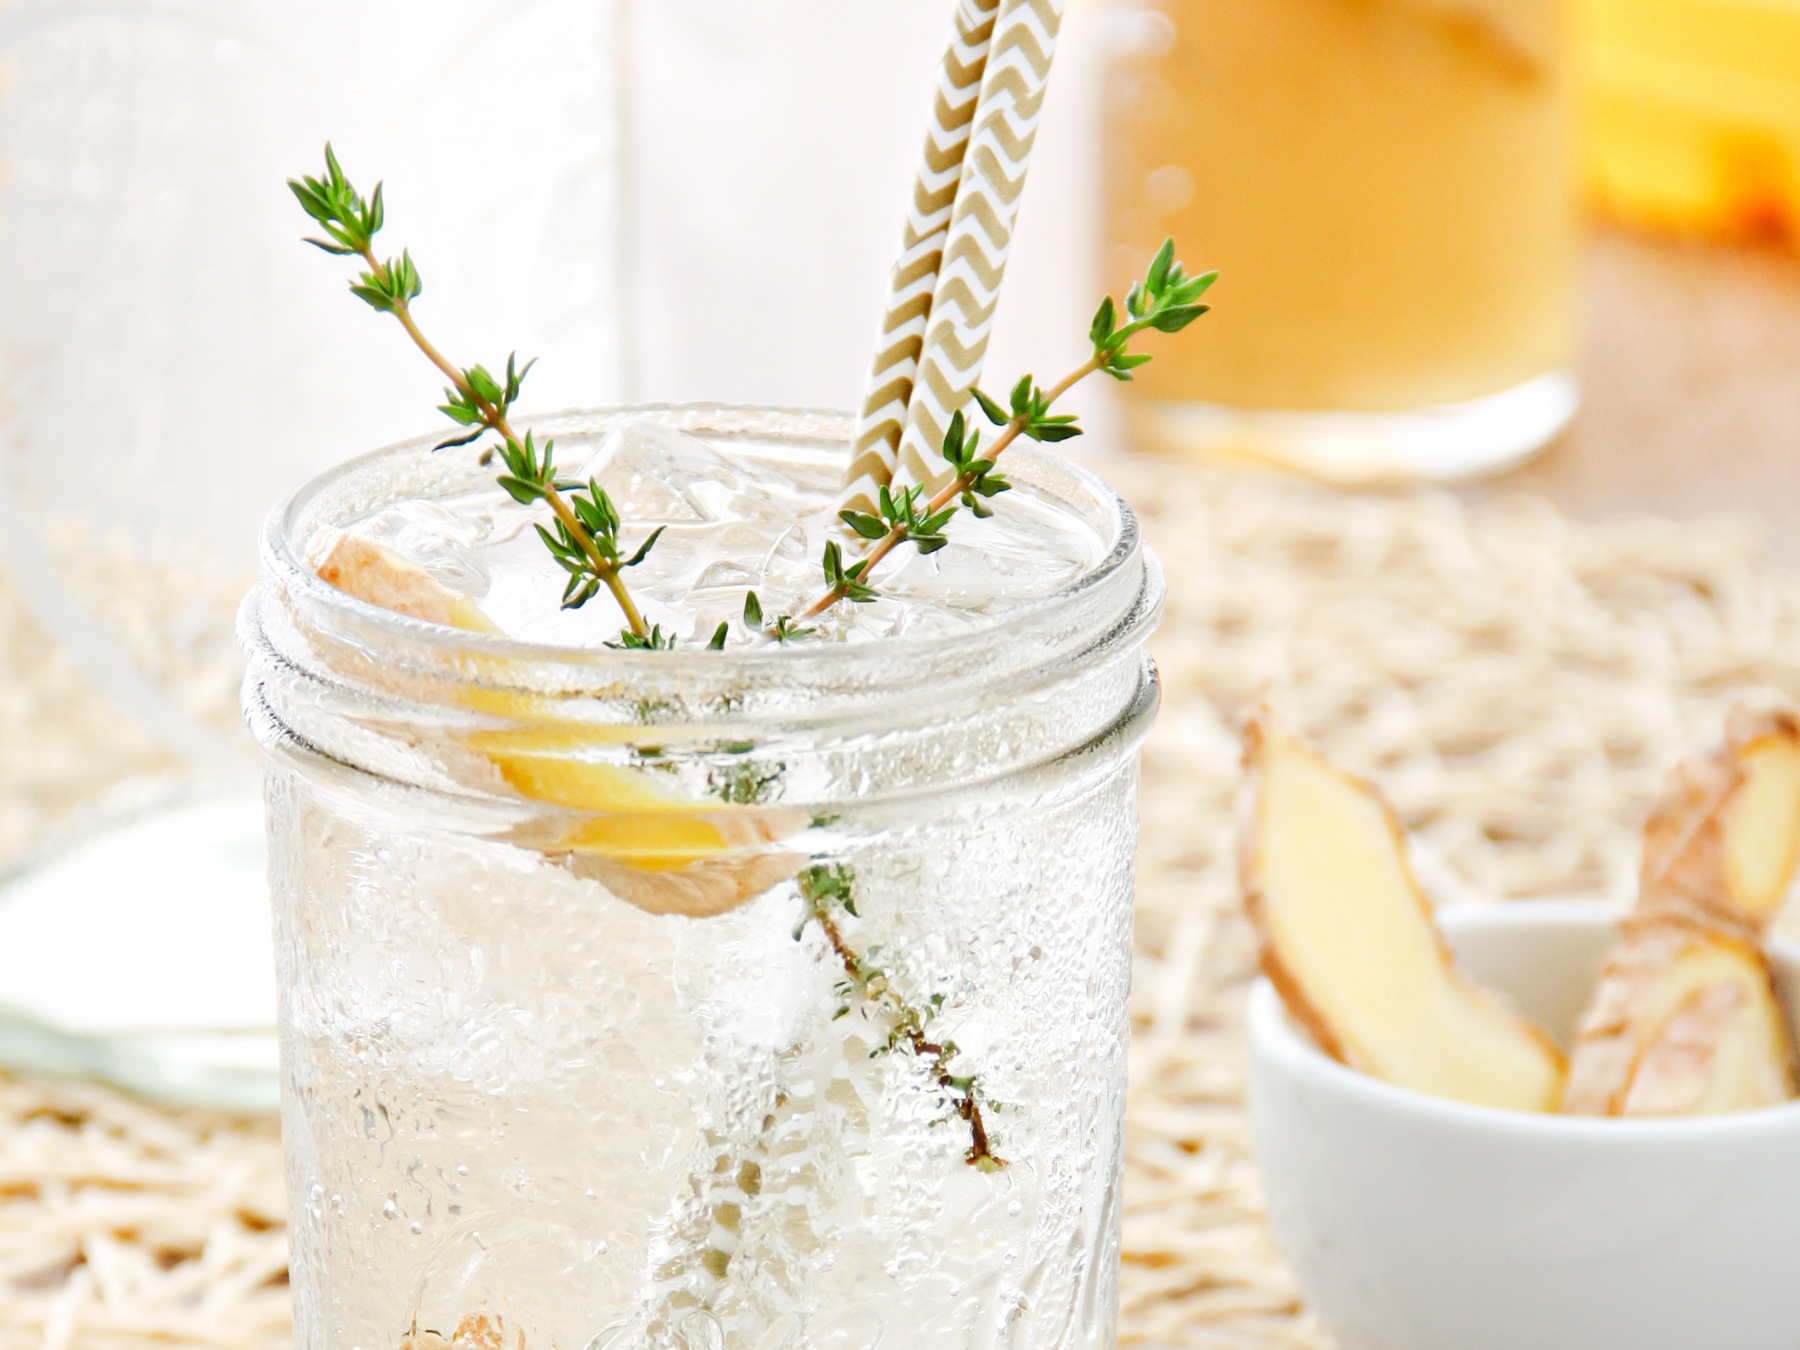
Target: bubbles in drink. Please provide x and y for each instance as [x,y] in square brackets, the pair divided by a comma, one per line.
[553,1107]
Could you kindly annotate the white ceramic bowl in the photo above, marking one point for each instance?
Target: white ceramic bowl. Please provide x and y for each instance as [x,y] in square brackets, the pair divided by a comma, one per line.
[1420,1224]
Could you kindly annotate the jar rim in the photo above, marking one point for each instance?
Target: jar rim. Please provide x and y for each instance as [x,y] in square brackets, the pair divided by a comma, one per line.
[1067,618]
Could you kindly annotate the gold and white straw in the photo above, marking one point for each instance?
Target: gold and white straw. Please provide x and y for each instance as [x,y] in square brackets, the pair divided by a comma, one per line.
[913,282]
[981,231]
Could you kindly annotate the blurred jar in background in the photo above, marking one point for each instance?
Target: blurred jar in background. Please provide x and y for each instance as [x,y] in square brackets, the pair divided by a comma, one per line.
[172,361]
[1386,186]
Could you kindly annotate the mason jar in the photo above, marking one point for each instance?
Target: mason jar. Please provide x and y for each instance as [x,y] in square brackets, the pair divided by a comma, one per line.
[761,999]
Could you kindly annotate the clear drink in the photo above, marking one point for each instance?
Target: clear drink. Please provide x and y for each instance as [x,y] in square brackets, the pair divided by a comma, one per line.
[582,1046]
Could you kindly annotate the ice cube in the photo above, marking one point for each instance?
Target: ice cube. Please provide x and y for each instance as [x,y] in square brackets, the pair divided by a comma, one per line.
[724,574]
[446,542]
[657,475]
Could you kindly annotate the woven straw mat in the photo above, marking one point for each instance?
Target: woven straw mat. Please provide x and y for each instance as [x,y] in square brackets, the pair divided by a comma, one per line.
[1515,682]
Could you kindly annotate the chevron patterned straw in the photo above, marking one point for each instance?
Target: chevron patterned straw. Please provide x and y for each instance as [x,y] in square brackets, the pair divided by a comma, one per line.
[981,229]
[914,279]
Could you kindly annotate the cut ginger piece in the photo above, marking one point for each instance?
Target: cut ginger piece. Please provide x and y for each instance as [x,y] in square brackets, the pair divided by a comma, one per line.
[1723,839]
[376,574]
[1685,1023]
[630,816]
[648,844]
[1348,939]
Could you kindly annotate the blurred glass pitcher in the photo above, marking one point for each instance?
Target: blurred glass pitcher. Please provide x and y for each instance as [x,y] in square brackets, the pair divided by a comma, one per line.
[173,359]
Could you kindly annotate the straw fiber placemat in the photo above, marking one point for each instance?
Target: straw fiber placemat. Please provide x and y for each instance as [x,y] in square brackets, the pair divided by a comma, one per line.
[1516,683]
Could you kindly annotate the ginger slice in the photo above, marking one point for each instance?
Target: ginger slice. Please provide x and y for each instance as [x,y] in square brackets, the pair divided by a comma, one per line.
[375,573]
[1685,1019]
[1685,1023]
[1348,939]
[1723,839]
[647,844]
[700,890]
[653,848]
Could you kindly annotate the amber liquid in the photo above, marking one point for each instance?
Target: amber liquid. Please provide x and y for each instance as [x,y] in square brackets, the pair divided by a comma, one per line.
[1385,186]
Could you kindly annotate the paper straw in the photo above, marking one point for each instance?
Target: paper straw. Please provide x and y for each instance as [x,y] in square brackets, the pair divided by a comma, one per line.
[913,281]
[981,230]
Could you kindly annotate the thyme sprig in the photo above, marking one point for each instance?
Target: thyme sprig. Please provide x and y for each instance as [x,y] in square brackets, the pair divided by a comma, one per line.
[585,540]
[829,887]
[1166,299]
[780,628]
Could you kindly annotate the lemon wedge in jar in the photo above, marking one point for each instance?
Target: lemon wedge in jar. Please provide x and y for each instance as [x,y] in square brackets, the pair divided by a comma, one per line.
[648,843]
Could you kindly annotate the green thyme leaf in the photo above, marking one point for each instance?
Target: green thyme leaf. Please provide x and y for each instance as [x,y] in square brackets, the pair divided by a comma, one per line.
[1103,325]
[863,523]
[585,542]
[1176,317]
[993,410]
[644,548]
[1021,396]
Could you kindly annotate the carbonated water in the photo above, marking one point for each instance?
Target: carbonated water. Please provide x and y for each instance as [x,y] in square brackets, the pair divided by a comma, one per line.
[529,1109]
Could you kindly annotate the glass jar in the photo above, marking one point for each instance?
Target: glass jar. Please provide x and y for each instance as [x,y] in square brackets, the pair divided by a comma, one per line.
[755,1000]
[1386,187]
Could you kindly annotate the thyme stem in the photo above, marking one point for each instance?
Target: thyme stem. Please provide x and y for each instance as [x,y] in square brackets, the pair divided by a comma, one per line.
[957,486]
[586,541]
[823,885]
[496,420]
[1167,300]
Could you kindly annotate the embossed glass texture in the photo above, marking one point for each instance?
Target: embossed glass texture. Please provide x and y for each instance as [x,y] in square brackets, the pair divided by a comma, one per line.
[521,1111]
